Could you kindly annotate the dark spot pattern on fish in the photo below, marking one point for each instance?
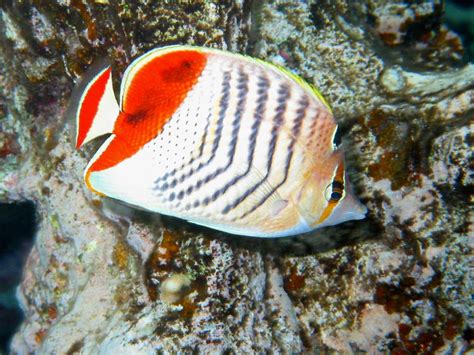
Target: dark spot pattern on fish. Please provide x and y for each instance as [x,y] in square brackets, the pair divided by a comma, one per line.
[242,92]
[283,98]
[223,105]
[262,92]
[300,114]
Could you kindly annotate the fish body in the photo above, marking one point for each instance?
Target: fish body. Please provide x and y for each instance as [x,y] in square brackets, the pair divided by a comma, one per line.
[218,139]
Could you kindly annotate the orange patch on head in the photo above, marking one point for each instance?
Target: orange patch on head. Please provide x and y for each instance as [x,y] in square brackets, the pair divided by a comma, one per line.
[340,173]
[152,96]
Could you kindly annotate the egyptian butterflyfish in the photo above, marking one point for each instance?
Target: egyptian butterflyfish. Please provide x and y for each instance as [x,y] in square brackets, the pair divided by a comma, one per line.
[218,139]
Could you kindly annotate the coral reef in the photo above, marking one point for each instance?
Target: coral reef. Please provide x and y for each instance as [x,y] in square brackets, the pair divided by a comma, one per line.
[102,277]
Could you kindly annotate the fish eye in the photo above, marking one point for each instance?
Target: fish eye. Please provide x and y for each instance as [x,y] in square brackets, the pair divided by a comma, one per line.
[334,192]
[336,196]
[336,138]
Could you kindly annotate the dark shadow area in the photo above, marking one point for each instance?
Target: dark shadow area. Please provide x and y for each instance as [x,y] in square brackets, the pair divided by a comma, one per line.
[315,242]
[17,228]
[318,241]
[459,16]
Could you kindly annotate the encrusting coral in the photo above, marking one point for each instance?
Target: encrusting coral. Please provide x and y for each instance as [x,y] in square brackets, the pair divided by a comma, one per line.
[103,277]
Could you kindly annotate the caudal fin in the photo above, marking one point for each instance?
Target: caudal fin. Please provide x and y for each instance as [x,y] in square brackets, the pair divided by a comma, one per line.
[97,108]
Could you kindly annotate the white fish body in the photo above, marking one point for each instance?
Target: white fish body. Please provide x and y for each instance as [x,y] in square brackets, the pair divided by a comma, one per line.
[218,139]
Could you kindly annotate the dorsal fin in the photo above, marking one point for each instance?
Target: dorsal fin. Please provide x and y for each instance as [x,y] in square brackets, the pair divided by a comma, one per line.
[97,108]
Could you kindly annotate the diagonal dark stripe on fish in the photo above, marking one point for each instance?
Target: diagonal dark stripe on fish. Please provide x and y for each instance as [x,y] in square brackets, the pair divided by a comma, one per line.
[219,139]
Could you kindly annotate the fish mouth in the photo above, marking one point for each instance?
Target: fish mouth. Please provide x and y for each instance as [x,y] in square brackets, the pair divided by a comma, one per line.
[348,209]
[351,208]
[359,210]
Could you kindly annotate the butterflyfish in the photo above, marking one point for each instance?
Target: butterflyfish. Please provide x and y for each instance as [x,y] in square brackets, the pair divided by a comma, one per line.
[218,139]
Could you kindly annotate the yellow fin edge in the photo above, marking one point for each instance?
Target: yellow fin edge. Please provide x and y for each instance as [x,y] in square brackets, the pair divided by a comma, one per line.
[298,79]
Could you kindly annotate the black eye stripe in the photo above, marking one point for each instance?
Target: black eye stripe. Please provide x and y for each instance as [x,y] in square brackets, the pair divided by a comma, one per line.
[334,191]
[337,185]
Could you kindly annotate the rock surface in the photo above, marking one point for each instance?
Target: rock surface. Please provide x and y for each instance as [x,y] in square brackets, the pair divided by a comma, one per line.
[396,282]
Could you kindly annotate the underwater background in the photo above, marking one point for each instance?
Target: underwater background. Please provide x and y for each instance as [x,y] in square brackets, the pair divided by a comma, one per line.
[399,281]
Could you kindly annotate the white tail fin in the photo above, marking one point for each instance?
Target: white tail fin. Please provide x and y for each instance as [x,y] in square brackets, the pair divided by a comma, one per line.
[97,109]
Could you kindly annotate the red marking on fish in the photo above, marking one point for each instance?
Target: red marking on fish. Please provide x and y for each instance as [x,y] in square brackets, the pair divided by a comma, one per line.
[152,96]
[90,105]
